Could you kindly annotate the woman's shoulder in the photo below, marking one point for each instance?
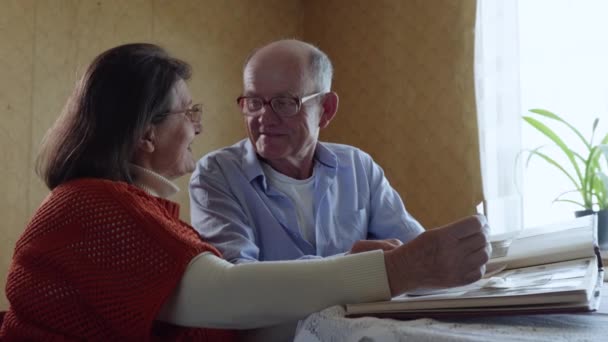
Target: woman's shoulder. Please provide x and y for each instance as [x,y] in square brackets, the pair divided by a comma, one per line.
[115,210]
[92,190]
[92,197]
[95,185]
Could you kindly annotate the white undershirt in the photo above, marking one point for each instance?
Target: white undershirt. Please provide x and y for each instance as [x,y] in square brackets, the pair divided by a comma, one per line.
[214,293]
[300,191]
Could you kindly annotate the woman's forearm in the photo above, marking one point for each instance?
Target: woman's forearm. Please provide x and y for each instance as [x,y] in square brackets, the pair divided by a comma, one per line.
[217,294]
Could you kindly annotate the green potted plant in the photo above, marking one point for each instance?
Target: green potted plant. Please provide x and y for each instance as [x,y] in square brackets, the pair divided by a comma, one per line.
[583,170]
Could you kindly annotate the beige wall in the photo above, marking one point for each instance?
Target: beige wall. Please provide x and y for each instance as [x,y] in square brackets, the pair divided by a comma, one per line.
[403,72]
[44,46]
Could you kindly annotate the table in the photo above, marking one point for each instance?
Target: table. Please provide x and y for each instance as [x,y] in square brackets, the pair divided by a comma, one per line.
[331,325]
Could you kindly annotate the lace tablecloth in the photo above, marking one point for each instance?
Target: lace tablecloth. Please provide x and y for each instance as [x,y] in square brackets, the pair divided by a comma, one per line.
[330,325]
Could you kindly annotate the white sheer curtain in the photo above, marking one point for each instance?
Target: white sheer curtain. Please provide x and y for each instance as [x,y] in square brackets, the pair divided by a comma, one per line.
[564,68]
[549,54]
[498,111]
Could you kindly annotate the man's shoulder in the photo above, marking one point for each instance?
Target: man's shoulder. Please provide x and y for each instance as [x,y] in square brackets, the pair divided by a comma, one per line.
[236,149]
[228,154]
[226,164]
[345,151]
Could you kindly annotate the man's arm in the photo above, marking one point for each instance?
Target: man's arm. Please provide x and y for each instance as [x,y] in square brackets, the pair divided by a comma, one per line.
[388,218]
[218,216]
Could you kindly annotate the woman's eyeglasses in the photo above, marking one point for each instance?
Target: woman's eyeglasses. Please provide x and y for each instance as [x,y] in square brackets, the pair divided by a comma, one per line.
[194,113]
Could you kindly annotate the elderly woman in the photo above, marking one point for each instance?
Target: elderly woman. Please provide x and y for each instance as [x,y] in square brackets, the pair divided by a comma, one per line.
[105,257]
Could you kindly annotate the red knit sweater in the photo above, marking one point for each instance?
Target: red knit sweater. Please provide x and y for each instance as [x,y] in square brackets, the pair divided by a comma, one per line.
[96,262]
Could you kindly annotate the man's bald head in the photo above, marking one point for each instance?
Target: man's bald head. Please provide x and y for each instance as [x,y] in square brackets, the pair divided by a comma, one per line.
[310,61]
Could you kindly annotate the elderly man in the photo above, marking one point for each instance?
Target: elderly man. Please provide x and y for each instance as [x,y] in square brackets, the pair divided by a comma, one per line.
[282,194]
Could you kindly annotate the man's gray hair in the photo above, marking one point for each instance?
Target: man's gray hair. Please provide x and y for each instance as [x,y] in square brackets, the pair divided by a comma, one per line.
[321,69]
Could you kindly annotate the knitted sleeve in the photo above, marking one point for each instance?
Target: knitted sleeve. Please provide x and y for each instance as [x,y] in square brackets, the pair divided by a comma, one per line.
[261,294]
[97,261]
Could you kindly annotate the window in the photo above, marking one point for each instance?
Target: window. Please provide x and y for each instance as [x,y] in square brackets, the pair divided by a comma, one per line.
[549,54]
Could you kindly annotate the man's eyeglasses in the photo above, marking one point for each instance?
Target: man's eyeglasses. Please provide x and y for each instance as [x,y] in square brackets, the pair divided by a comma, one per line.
[282,105]
[194,113]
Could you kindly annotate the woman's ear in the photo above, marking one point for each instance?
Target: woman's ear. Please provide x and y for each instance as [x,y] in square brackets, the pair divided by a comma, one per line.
[146,142]
[330,108]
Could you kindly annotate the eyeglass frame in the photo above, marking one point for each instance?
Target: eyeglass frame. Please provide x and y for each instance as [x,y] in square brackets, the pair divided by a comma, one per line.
[299,101]
[188,112]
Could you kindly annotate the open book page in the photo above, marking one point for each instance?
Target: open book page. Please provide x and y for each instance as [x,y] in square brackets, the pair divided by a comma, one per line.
[570,282]
[559,242]
[549,269]
[536,279]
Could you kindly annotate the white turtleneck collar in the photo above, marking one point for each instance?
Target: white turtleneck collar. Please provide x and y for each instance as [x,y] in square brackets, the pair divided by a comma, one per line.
[151,182]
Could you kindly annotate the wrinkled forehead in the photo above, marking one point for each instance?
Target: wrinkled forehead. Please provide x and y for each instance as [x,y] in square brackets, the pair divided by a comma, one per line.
[275,75]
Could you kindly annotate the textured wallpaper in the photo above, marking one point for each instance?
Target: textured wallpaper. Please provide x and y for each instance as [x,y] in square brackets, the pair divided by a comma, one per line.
[45,46]
[403,73]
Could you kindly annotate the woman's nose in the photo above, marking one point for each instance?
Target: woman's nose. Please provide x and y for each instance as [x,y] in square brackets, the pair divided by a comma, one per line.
[198,128]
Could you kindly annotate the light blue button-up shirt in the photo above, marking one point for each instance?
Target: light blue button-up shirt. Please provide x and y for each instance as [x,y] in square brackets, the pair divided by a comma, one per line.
[234,207]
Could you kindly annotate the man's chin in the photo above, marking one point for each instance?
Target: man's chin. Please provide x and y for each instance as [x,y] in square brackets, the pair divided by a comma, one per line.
[270,152]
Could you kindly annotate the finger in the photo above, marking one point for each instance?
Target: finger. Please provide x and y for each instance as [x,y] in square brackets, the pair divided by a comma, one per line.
[467,226]
[473,275]
[385,246]
[477,258]
[394,242]
[357,246]
[369,245]
[473,243]
[391,244]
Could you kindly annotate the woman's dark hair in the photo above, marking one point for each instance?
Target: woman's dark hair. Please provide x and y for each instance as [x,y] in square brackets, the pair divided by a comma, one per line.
[123,91]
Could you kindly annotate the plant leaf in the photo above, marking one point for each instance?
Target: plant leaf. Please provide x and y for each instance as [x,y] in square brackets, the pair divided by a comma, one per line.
[588,186]
[556,164]
[570,201]
[554,116]
[558,141]
[602,200]
[531,154]
[595,122]
[604,148]
[566,192]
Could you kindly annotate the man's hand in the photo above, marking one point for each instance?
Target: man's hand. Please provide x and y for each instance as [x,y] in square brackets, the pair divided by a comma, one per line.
[451,255]
[370,245]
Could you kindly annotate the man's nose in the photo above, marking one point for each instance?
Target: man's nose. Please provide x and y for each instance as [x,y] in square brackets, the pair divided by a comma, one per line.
[267,113]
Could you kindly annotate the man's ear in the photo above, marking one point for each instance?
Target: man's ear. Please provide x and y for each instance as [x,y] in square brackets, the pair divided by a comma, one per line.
[330,108]
[146,142]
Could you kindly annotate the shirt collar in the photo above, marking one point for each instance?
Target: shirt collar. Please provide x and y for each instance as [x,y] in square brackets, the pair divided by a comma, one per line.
[253,168]
[151,182]
[325,156]
[251,163]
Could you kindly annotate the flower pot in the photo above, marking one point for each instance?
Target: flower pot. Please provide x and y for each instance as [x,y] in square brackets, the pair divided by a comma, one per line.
[602,225]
